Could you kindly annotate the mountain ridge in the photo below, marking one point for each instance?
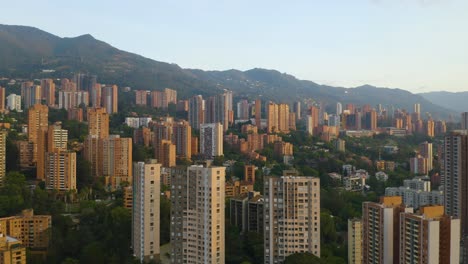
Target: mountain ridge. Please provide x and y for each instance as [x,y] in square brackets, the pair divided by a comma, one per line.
[86,54]
[455,101]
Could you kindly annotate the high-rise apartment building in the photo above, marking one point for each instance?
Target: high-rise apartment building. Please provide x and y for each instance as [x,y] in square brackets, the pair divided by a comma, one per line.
[211,140]
[249,173]
[315,113]
[355,241]
[425,150]
[161,131]
[298,110]
[85,82]
[141,97]
[3,136]
[38,118]
[31,94]
[246,212]
[291,217]
[146,211]
[380,230]
[371,120]
[162,99]
[95,96]
[258,113]
[92,152]
[182,138]
[455,179]
[272,118]
[116,160]
[217,110]
[2,99]
[197,215]
[339,108]
[309,125]
[167,153]
[57,138]
[48,91]
[109,98]
[283,118]
[243,110]
[14,102]
[464,120]
[196,112]
[393,233]
[98,122]
[429,237]
[73,99]
[60,170]
[417,111]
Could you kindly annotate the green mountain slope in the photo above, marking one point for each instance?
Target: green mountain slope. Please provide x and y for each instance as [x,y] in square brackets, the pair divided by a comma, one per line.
[453,101]
[26,51]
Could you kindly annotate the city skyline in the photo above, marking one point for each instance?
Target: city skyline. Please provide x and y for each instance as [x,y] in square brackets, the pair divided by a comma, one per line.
[420,51]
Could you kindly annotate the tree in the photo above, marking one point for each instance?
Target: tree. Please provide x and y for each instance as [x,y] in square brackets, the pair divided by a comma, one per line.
[70,261]
[303,258]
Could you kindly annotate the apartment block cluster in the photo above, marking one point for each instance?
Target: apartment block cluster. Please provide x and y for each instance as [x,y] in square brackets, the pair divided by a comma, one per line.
[414,224]
[46,147]
[197,195]
[21,233]
[391,232]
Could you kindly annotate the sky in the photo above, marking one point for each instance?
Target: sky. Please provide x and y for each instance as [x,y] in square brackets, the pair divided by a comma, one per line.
[416,45]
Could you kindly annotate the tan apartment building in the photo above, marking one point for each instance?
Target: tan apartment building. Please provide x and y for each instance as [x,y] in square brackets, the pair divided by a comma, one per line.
[355,241]
[429,237]
[291,217]
[3,136]
[117,160]
[32,230]
[197,215]
[380,230]
[146,211]
[60,170]
[11,250]
[98,122]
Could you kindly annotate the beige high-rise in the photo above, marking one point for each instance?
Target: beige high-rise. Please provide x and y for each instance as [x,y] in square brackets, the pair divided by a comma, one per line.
[3,136]
[182,138]
[60,170]
[92,152]
[354,241]
[167,153]
[48,91]
[2,98]
[54,138]
[98,122]
[197,215]
[117,159]
[37,134]
[38,118]
[291,217]
[146,211]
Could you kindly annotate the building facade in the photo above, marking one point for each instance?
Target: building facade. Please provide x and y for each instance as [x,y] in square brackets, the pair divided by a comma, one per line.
[146,211]
[197,215]
[291,217]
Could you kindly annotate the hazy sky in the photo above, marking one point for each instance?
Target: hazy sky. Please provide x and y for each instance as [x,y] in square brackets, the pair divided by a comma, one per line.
[417,45]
